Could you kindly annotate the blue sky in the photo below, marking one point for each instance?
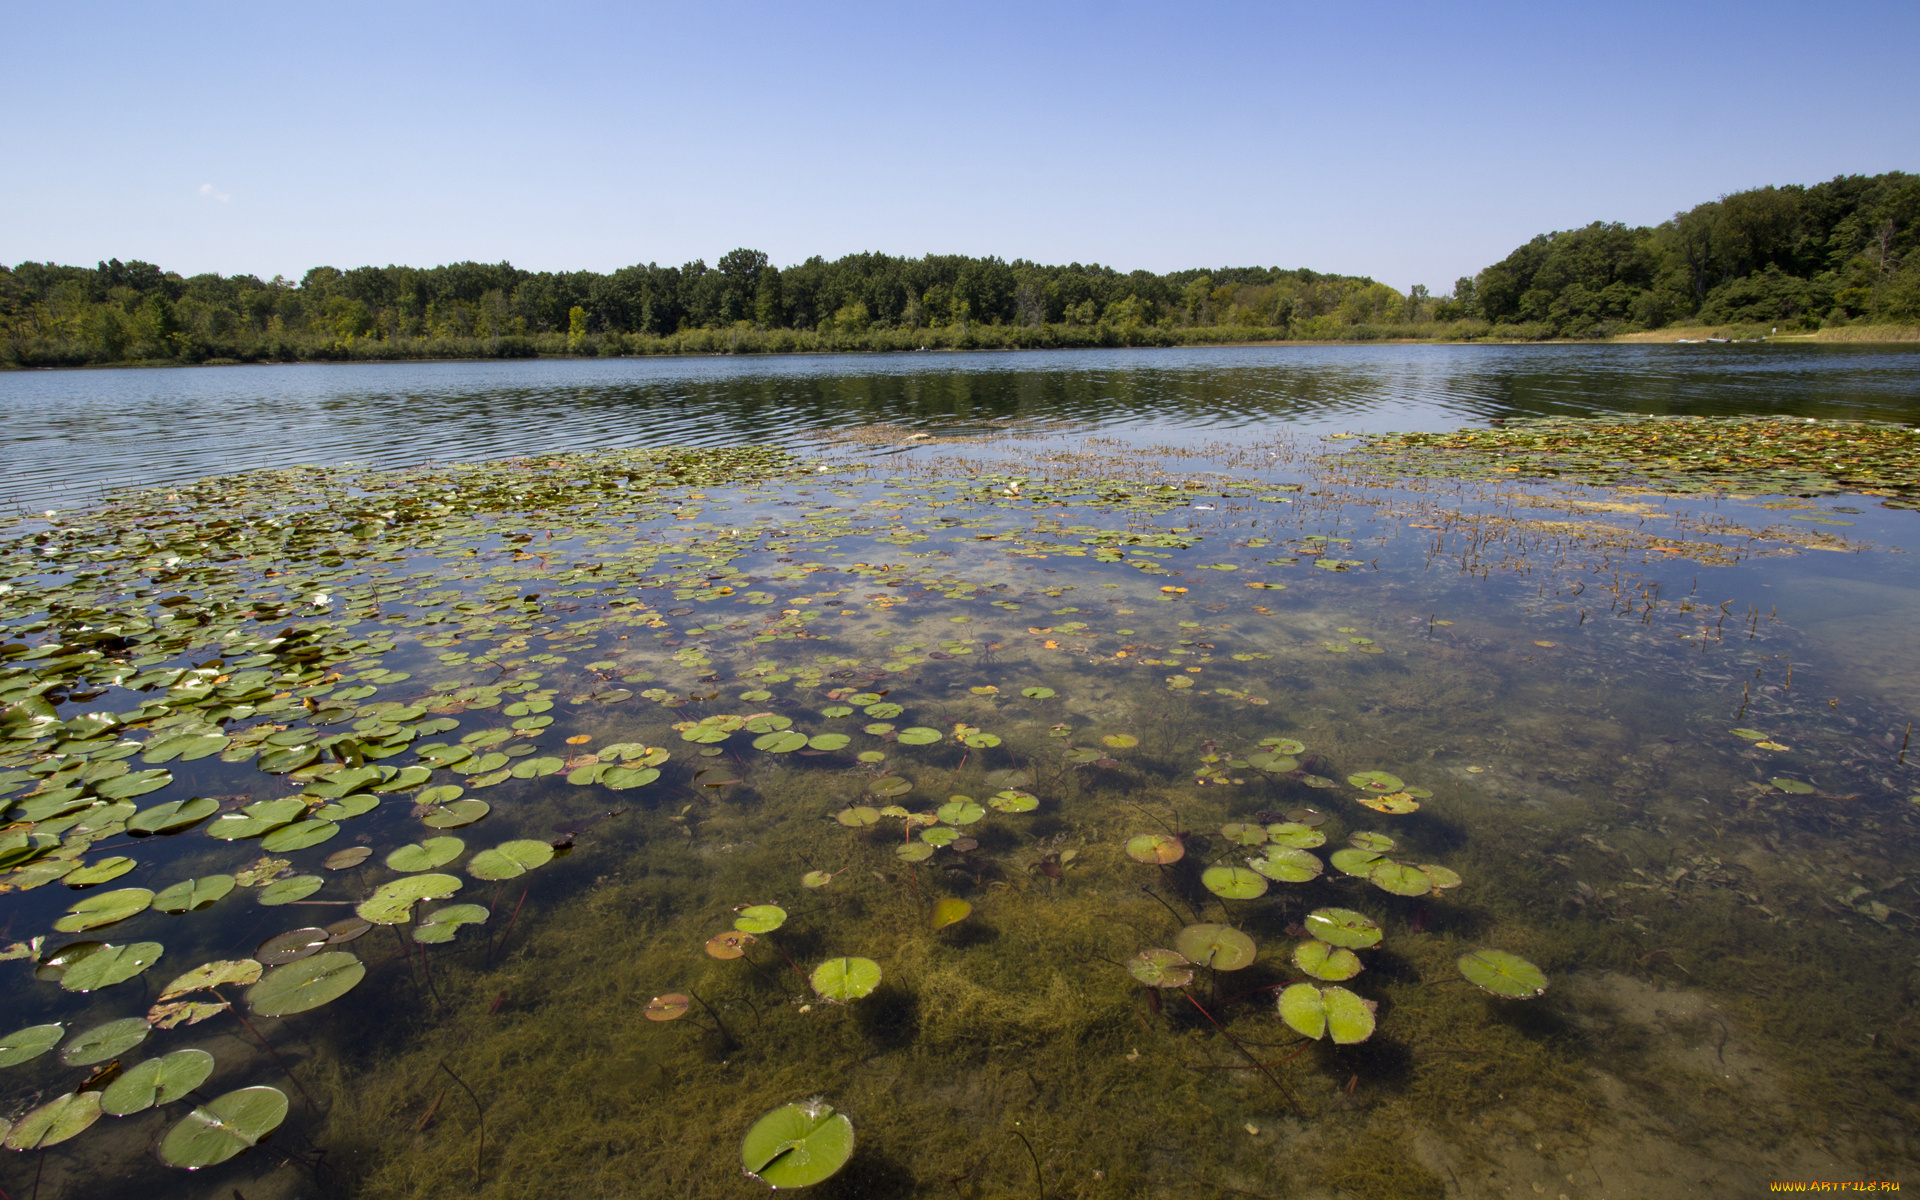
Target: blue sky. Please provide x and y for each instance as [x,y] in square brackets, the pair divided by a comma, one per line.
[1412,142]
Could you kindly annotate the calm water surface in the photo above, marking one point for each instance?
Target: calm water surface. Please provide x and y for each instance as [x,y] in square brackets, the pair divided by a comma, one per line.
[1658,740]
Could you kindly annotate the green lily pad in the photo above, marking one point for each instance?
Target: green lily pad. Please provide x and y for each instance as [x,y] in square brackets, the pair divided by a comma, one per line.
[1242,834]
[1278,764]
[828,741]
[24,1045]
[460,813]
[1503,974]
[155,1082]
[133,783]
[1295,835]
[428,855]
[392,902]
[1378,843]
[1160,968]
[223,973]
[103,1042]
[1284,864]
[55,1121]
[846,978]
[1349,861]
[96,912]
[1316,1012]
[913,852]
[1037,693]
[1155,848]
[1343,927]
[1280,745]
[442,923]
[100,872]
[883,711]
[298,836]
[1440,877]
[173,816]
[255,820]
[784,742]
[110,965]
[306,984]
[944,835]
[1221,947]
[1013,800]
[1233,883]
[890,786]
[286,891]
[345,808]
[224,1127]
[1752,735]
[1794,786]
[1323,961]
[760,918]
[1399,878]
[190,894]
[960,811]
[509,860]
[797,1145]
[919,735]
[857,816]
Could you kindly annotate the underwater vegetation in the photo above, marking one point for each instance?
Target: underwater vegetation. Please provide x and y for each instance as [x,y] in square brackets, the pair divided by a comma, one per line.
[688,785]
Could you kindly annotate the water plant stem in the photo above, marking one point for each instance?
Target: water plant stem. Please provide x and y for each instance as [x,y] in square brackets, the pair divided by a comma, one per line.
[510,921]
[281,1063]
[1271,1077]
[724,1031]
[1902,760]
[480,1152]
[1039,1186]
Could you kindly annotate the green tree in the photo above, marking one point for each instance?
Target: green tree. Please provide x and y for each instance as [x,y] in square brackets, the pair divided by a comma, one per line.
[576,327]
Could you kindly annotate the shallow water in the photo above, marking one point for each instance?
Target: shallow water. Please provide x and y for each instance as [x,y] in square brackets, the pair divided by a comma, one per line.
[69,434]
[1732,959]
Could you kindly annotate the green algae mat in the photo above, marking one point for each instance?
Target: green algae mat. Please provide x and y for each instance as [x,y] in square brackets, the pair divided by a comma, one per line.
[1220,819]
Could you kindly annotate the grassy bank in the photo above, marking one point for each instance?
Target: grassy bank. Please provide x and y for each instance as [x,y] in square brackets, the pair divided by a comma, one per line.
[1838,333]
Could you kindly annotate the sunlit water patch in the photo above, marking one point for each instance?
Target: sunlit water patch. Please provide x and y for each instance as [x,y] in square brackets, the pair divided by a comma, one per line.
[1057,816]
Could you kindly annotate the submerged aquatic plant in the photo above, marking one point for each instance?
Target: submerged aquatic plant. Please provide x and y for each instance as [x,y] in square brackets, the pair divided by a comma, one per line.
[1503,974]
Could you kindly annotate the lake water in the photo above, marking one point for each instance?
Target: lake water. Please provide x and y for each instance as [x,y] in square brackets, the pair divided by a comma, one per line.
[1126,656]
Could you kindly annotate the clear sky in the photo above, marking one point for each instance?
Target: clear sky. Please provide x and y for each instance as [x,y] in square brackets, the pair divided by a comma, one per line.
[1414,142]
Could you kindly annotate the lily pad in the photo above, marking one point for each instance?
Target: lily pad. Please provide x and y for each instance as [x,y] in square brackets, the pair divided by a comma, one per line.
[816,879]
[1795,786]
[110,965]
[1503,974]
[949,909]
[960,811]
[442,923]
[1402,879]
[1233,883]
[55,1121]
[100,872]
[345,808]
[1243,834]
[731,944]
[797,1145]
[24,1045]
[238,972]
[171,817]
[1280,745]
[846,978]
[1349,861]
[1323,961]
[1378,843]
[1343,927]
[429,855]
[889,787]
[1120,741]
[509,860]
[96,912]
[913,852]
[919,735]
[352,856]
[298,836]
[1160,968]
[944,835]
[760,918]
[155,1082]
[103,1042]
[1284,864]
[1316,1012]
[307,984]
[291,946]
[1221,947]
[1037,693]
[1155,848]
[1295,834]
[1012,800]
[224,1127]
[1393,803]
[466,812]
[828,741]
[784,742]
[1440,877]
[287,891]
[670,1007]
[857,816]
[392,903]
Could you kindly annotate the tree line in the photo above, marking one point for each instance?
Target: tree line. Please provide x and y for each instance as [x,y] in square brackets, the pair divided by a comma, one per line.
[1841,251]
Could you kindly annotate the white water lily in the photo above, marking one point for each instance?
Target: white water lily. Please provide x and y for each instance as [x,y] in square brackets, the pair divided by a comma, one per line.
[320,599]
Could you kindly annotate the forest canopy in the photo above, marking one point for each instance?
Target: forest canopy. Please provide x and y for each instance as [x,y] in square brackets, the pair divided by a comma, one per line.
[1836,252]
